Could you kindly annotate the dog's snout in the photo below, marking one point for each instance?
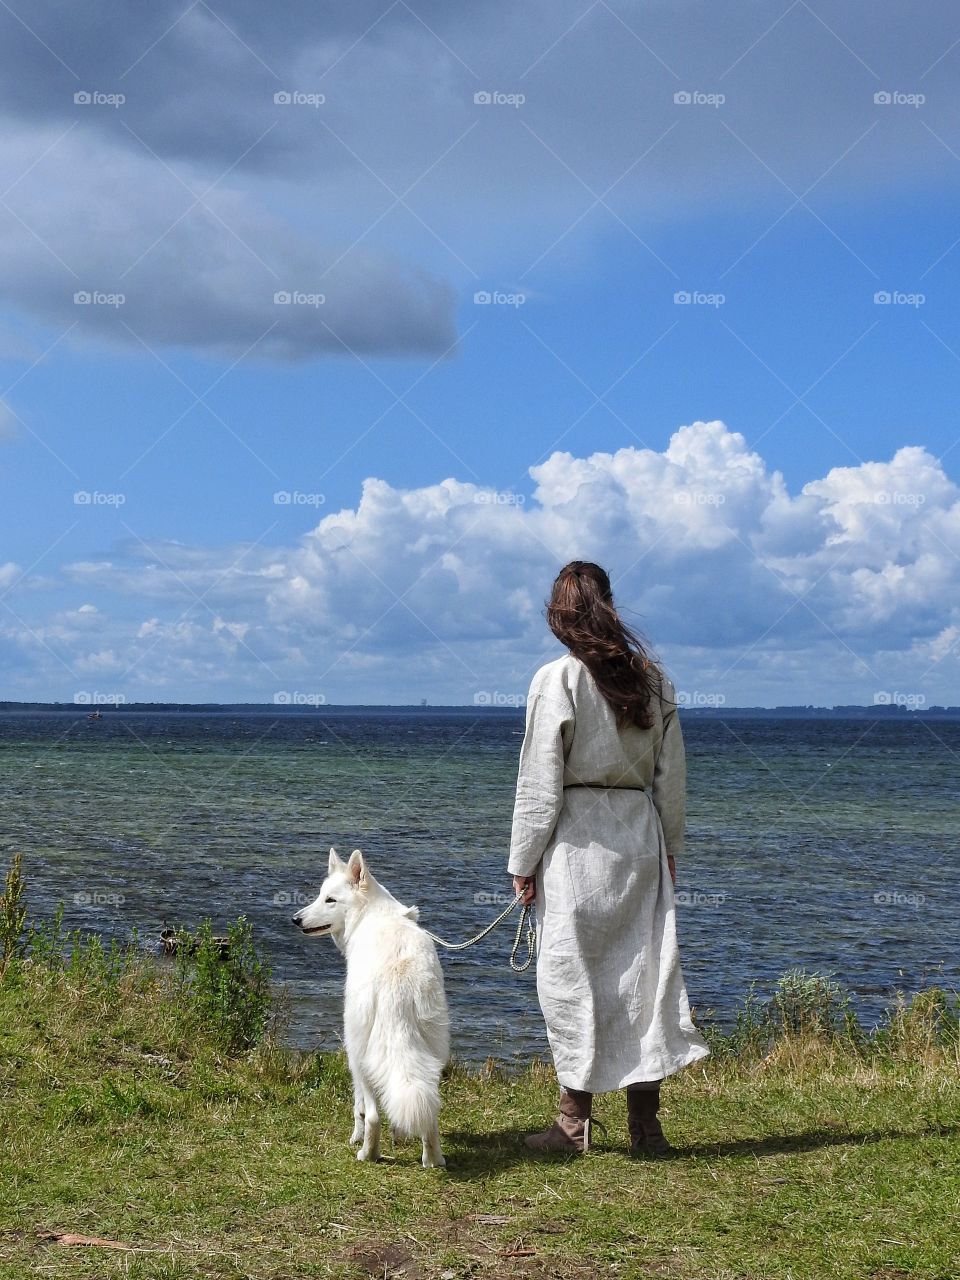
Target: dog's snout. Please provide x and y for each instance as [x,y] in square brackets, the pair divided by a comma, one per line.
[296,919]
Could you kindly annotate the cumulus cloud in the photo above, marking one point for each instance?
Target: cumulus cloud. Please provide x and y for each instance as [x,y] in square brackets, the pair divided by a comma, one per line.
[848,587]
[694,536]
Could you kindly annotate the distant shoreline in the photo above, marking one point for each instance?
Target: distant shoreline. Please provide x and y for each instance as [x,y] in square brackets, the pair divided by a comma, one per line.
[878,711]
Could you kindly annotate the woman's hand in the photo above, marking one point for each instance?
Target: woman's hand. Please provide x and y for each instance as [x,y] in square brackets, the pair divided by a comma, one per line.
[672,864]
[527,886]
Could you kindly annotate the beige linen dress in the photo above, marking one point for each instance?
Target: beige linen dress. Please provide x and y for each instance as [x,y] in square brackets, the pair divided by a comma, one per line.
[597,812]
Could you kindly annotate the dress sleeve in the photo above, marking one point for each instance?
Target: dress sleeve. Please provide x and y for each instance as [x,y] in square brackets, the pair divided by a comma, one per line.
[670,776]
[539,796]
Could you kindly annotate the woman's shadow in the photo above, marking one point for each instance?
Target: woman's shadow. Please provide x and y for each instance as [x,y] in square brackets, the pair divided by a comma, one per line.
[468,1153]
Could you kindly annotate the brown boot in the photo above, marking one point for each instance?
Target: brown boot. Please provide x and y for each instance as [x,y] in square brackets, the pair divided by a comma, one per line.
[646,1136]
[570,1132]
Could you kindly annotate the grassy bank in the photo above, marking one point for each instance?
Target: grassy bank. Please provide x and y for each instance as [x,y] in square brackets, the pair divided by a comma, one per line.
[136,1109]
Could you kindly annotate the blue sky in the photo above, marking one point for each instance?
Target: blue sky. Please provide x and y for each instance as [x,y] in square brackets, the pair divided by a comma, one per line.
[770,471]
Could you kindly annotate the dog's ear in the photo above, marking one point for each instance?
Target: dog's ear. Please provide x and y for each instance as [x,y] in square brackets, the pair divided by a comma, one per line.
[334,862]
[357,870]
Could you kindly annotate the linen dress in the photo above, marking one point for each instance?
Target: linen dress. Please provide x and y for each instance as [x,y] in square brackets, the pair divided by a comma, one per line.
[597,811]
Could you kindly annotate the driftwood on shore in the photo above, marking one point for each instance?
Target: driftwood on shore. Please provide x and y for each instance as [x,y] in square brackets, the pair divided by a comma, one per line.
[171,941]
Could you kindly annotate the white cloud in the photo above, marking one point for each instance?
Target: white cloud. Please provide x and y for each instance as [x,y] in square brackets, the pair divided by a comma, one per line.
[850,586]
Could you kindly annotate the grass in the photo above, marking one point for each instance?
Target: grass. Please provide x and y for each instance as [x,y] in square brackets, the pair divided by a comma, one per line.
[809,1149]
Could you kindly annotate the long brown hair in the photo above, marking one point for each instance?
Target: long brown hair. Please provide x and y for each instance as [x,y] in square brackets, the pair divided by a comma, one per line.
[582,615]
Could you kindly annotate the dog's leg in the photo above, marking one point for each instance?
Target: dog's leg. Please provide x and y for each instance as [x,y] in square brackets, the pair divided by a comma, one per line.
[358,1112]
[432,1155]
[371,1127]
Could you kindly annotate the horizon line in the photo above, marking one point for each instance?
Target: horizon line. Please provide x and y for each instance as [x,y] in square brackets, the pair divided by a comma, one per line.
[112,703]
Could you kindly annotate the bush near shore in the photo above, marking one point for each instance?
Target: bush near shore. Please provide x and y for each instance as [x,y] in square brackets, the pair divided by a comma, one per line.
[155,1127]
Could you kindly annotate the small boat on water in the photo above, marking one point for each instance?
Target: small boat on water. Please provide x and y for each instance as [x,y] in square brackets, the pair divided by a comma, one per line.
[95,715]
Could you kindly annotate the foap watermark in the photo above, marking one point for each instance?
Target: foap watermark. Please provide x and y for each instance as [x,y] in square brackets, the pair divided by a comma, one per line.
[298,98]
[298,298]
[697,898]
[697,98]
[96,498]
[98,298]
[898,898]
[94,698]
[98,898]
[295,498]
[897,98]
[494,698]
[496,298]
[699,498]
[494,98]
[911,701]
[297,698]
[499,498]
[291,898]
[899,498]
[700,698]
[897,298]
[697,298]
[96,98]
[484,898]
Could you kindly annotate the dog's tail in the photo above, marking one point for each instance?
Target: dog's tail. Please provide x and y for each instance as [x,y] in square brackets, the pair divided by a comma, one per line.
[411,1098]
[407,1075]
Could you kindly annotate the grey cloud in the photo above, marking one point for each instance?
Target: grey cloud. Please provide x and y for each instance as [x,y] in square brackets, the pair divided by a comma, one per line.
[495,187]
[94,222]
[200,79]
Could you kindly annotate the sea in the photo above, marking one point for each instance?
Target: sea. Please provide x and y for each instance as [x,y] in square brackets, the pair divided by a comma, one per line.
[825,844]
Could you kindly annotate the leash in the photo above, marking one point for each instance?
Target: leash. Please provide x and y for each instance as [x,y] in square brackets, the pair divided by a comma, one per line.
[526,918]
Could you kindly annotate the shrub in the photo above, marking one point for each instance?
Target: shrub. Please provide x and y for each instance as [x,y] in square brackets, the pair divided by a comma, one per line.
[802,1005]
[13,915]
[225,985]
[812,1004]
[919,1025]
[220,988]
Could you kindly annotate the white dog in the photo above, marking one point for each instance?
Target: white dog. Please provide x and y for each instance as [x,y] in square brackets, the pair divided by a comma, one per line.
[396,1025]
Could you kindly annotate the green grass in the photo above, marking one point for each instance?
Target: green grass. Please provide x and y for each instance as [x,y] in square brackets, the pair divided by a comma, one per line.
[808,1150]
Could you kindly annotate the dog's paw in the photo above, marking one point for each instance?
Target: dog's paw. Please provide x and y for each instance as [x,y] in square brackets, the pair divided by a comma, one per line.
[438,1163]
[357,1136]
[365,1155]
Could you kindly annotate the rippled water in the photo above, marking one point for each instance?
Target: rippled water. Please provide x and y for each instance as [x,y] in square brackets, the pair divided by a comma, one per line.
[830,844]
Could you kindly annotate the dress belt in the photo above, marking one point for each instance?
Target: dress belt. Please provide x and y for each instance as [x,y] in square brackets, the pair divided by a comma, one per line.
[600,786]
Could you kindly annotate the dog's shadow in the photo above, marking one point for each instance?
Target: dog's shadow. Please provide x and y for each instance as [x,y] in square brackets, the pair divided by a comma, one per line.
[471,1153]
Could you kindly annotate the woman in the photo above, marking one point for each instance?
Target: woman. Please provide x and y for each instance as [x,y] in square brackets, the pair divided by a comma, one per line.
[597,825]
